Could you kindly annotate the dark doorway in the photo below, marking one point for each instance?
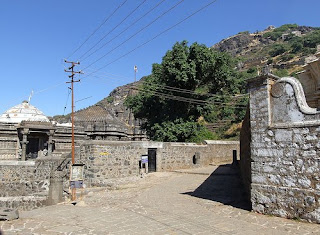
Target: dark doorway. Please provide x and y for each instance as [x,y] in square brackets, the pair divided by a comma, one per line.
[36,142]
[33,147]
[152,160]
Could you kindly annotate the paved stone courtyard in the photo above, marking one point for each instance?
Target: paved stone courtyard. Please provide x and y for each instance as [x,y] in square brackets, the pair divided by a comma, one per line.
[199,201]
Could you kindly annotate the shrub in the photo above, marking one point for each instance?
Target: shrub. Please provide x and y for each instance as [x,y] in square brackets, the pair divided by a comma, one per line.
[287,57]
[281,73]
[277,49]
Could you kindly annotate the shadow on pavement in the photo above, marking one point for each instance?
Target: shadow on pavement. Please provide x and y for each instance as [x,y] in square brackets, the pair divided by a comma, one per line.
[223,185]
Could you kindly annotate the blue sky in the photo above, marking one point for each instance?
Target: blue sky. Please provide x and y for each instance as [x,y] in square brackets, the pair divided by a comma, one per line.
[36,35]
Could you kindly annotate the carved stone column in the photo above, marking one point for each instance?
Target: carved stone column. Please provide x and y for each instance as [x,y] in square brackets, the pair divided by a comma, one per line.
[24,143]
[50,142]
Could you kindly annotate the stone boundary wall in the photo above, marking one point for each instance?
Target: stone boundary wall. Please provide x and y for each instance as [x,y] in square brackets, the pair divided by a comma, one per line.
[285,149]
[116,159]
[25,184]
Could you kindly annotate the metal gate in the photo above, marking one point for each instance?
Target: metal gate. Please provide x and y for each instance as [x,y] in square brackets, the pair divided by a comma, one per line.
[152,160]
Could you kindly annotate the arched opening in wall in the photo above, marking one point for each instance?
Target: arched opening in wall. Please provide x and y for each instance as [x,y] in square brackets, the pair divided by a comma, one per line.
[196,158]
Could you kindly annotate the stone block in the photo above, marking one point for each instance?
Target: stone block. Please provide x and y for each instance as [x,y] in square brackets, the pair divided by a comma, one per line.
[259,179]
[9,214]
[298,138]
[310,153]
[304,182]
[311,138]
[283,135]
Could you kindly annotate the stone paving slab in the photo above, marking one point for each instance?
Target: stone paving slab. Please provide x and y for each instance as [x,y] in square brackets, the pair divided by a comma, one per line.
[186,202]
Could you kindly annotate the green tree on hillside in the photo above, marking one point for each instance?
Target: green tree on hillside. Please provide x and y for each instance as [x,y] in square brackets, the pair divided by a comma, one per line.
[170,98]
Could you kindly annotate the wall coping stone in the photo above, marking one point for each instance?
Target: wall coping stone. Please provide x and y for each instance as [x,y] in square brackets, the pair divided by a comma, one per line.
[221,142]
[262,79]
[295,124]
[16,163]
[152,144]
[22,198]
[185,144]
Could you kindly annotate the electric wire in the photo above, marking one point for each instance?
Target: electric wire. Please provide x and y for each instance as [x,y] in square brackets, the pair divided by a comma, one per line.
[113,28]
[191,100]
[170,88]
[158,35]
[132,24]
[178,98]
[135,34]
[48,88]
[65,107]
[105,20]
[83,99]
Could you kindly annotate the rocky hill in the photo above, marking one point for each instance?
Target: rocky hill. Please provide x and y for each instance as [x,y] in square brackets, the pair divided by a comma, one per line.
[285,48]
[114,104]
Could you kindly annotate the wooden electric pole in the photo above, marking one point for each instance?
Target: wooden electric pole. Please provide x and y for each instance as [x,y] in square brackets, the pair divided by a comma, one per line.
[72,81]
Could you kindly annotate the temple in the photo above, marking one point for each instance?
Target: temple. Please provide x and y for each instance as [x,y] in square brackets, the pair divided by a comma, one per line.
[26,133]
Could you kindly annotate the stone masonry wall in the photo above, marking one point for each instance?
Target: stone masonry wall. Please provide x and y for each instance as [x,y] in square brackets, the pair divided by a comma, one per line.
[181,155]
[285,150]
[25,184]
[105,160]
[109,159]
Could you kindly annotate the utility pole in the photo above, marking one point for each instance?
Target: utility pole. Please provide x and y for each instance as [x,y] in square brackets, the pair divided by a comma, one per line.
[72,81]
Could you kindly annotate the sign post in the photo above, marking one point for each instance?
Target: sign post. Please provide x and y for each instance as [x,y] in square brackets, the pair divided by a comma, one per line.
[76,177]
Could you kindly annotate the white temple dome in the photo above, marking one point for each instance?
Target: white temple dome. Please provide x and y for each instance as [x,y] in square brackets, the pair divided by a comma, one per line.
[23,112]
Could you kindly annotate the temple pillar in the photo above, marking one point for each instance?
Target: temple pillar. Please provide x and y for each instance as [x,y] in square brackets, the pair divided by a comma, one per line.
[50,142]
[24,143]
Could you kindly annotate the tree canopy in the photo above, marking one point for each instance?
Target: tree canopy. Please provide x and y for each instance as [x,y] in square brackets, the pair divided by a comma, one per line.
[192,85]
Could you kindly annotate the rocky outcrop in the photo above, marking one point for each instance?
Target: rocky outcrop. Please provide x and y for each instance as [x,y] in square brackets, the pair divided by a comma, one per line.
[254,48]
[235,44]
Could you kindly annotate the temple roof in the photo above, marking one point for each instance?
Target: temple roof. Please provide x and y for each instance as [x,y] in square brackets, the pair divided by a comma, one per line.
[96,113]
[23,112]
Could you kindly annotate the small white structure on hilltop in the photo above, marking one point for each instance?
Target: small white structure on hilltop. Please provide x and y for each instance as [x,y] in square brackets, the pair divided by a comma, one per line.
[23,112]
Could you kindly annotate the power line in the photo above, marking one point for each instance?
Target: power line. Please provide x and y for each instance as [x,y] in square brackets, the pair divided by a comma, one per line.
[113,29]
[65,107]
[83,99]
[170,88]
[179,98]
[188,100]
[166,30]
[123,30]
[198,102]
[135,34]
[48,88]
[106,19]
